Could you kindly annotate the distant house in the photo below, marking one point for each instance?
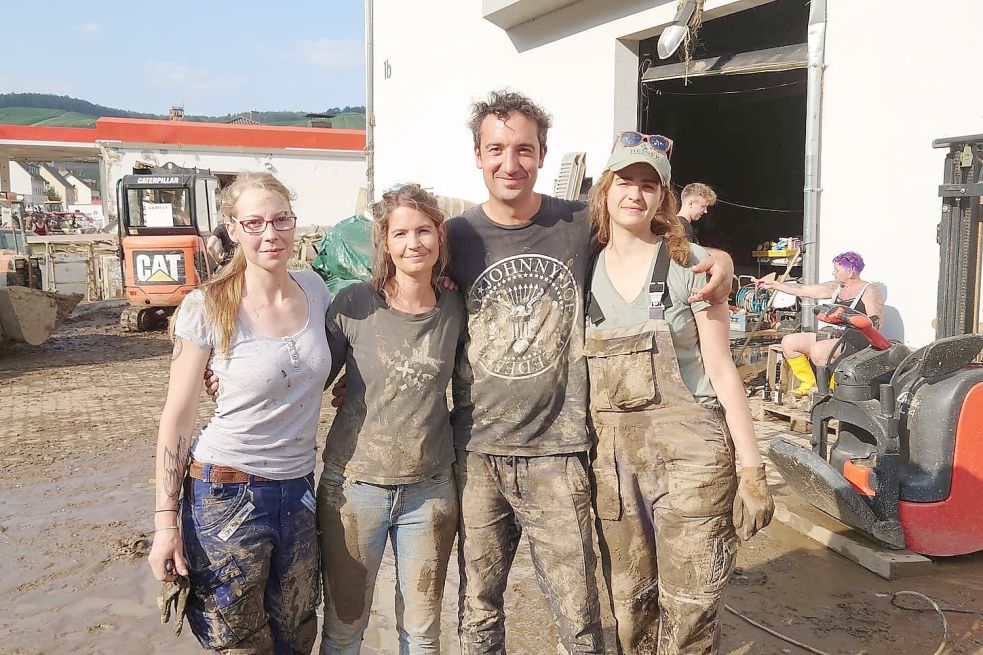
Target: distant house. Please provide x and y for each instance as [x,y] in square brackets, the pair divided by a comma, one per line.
[57,181]
[83,192]
[349,120]
[26,182]
[243,119]
[319,120]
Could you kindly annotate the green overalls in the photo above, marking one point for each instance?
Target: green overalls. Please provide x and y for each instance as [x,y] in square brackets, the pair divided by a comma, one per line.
[665,484]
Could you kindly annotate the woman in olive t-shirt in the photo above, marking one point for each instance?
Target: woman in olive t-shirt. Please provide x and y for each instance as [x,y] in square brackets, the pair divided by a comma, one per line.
[387,459]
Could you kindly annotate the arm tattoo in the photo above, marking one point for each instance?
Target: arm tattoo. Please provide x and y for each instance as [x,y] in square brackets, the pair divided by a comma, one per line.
[178,347]
[175,465]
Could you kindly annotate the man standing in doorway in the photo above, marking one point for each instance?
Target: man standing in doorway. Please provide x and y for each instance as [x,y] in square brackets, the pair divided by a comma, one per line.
[520,385]
[695,201]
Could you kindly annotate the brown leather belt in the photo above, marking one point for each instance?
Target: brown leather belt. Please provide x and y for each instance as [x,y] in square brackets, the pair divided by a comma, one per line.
[224,474]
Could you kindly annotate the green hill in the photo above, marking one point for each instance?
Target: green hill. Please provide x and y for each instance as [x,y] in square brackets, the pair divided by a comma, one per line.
[62,111]
[47,117]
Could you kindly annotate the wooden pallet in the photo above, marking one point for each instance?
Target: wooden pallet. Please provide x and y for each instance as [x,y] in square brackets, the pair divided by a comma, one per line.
[797,420]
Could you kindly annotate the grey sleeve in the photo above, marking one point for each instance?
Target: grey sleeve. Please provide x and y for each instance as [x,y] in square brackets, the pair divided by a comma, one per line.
[190,323]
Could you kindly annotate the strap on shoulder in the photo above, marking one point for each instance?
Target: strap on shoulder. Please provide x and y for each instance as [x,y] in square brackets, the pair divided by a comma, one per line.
[659,300]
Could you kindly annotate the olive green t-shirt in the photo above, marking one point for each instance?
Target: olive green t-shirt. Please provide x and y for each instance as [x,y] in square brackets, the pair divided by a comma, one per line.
[394,427]
[680,317]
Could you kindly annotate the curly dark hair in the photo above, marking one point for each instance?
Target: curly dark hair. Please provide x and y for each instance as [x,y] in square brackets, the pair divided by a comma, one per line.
[502,104]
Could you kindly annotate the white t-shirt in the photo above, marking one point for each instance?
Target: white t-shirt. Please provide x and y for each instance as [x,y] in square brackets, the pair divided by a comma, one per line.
[266,417]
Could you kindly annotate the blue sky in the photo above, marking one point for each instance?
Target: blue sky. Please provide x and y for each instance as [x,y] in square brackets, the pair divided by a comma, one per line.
[212,56]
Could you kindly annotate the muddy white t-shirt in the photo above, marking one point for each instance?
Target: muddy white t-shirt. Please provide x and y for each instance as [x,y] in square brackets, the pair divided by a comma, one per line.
[269,401]
[393,427]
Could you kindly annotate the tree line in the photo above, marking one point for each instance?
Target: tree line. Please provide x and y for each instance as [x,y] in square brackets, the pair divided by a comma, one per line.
[66,103]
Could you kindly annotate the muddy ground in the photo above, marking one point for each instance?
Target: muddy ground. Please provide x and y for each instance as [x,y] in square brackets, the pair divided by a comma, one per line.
[78,419]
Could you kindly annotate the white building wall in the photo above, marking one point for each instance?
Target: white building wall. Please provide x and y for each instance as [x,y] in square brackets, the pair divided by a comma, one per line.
[895,81]
[423,106]
[580,63]
[326,182]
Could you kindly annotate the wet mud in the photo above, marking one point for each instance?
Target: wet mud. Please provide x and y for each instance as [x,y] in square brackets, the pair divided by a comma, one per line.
[78,423]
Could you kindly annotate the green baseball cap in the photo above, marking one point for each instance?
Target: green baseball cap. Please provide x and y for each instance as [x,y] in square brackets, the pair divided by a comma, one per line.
[642,153]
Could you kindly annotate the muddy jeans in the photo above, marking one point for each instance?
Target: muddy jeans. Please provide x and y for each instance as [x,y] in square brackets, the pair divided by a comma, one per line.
[549,498]
[253,558]
[355,521]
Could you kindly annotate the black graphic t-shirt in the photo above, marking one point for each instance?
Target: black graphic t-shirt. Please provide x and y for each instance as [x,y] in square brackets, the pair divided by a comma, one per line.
[520,385]
[393,427]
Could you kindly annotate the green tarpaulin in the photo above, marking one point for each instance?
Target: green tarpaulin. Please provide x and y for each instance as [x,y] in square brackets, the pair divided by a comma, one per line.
[345,254]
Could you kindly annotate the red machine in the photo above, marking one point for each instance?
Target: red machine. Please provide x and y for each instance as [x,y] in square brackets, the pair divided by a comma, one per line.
[906,465]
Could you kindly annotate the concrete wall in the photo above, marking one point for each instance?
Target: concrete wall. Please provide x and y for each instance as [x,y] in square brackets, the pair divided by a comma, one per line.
[326,183]
[895,81]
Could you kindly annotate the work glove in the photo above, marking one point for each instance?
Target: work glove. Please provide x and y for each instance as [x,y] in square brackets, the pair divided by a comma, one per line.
[174,593]
[753,505]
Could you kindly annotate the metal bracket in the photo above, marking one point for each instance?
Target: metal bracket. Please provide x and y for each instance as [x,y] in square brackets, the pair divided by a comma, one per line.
[960,190]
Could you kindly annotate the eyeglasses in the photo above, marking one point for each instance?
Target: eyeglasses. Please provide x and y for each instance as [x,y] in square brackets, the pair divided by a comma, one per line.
[631,138]
[256,225]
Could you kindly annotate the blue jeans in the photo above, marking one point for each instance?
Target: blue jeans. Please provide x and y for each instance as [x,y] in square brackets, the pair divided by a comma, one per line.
[252,554]
[355,520]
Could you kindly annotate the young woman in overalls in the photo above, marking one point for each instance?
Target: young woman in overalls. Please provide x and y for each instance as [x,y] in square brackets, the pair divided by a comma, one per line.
[665,402]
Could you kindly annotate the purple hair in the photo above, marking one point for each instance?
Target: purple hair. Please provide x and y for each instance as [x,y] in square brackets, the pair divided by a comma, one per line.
[851,260]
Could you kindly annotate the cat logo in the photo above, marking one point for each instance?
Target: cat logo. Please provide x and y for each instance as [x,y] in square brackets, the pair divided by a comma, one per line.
[159,267]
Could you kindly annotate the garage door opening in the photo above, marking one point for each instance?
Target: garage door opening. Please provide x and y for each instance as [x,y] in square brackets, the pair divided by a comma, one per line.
[738,124]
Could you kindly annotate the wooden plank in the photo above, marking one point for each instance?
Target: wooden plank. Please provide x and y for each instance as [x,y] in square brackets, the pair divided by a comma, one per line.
[806,519]
[798,420]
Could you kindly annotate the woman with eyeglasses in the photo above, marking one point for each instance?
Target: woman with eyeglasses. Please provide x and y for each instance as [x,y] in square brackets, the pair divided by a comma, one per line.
[846,289]
[388,455]
[235,505]
[668,411]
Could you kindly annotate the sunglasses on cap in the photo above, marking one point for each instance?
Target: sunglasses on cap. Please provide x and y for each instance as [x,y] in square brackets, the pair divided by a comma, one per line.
[631,138]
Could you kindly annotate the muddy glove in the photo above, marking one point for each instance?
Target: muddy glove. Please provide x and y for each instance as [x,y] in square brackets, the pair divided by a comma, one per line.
[175,593]
[753,505]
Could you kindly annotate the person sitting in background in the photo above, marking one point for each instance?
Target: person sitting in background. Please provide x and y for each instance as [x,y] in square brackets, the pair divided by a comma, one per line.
[694,201]
[40,226]
[846,289]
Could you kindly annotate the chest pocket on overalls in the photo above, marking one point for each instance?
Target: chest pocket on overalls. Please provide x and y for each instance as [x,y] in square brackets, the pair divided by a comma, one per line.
[624,368]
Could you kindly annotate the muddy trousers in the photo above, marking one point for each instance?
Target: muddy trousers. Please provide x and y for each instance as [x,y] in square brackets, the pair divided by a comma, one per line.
[548,498]
[355,521]
[253,559]
[664,495]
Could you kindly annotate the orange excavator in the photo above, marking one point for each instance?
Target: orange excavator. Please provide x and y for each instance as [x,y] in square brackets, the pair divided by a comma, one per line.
[165,215]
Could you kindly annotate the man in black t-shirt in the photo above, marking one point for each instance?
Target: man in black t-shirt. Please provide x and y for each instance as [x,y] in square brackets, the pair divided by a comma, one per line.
[695,201]
[220,245]
[520,385]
